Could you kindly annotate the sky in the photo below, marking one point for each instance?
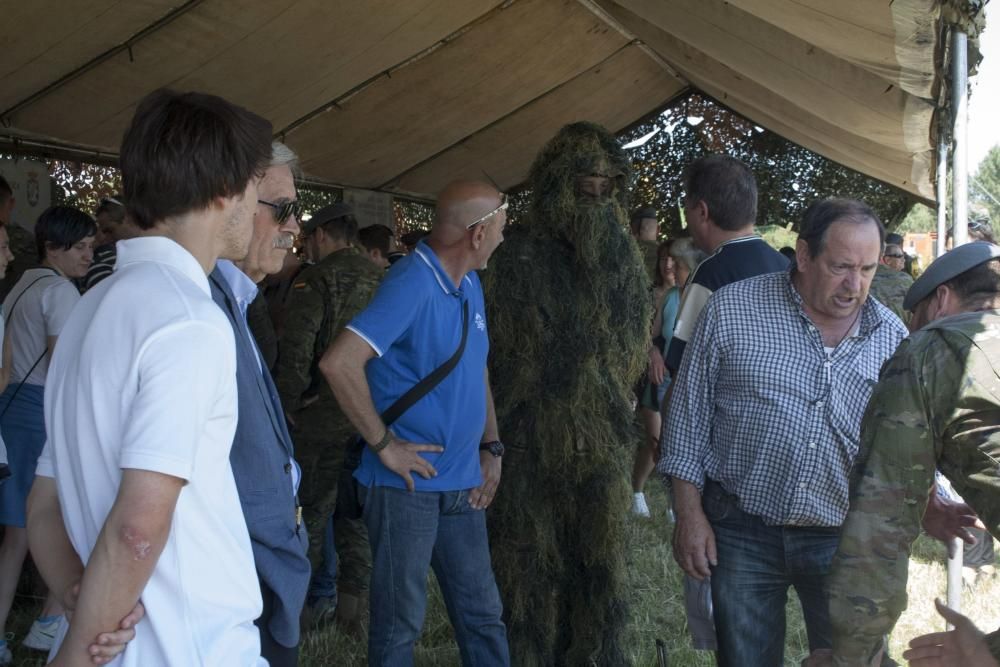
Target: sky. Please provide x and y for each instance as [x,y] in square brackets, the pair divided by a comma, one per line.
[984,103]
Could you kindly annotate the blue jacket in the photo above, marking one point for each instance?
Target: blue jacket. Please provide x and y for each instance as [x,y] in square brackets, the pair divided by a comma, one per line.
[260,457]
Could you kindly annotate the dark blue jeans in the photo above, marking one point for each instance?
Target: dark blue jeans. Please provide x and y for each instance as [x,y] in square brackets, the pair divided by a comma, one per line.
[757,564]
[410,533]
[324,578]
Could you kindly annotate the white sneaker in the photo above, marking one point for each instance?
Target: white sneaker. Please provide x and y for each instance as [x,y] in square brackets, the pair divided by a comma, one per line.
[41,636]
[639,506]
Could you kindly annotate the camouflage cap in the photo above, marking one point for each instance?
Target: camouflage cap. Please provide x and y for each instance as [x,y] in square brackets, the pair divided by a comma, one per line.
[325,215]
[949,265]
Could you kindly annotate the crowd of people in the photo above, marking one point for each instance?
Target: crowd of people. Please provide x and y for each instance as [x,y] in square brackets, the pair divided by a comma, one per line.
[214,444]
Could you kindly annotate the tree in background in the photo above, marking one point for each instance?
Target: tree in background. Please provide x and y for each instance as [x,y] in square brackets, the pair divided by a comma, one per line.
[789,177]
[984,187]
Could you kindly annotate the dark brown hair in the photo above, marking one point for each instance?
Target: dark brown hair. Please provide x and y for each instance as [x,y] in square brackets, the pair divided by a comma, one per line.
[183,150]
[821,215]
[376,237]
[728,188]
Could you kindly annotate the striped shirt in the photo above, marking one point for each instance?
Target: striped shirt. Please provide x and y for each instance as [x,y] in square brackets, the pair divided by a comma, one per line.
[762,408]
[734,260]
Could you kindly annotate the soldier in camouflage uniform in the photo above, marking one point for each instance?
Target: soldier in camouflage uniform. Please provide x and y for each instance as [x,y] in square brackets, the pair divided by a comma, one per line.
[323,298]
[889,287]
[936,406]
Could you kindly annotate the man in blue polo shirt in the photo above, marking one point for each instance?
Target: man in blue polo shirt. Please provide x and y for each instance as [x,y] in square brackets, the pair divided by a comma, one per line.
[448,438]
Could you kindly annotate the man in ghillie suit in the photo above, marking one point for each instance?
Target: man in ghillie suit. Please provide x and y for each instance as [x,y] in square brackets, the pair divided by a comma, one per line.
[568,302]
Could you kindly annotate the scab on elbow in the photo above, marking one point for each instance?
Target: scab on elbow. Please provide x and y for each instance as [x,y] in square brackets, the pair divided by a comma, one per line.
[137,543]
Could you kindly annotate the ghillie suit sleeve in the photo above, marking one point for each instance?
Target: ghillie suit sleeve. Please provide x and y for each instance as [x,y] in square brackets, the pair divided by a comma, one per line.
[569,315]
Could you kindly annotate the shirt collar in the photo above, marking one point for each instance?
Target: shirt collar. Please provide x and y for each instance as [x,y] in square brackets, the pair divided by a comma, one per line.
[239,283]
[424,252]
[162,250]
[870,318]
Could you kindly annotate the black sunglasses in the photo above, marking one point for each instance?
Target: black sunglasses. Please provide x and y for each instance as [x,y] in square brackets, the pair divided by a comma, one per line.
[284,210]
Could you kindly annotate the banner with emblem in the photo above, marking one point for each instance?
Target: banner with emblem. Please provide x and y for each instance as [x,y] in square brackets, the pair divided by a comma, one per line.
[29,179]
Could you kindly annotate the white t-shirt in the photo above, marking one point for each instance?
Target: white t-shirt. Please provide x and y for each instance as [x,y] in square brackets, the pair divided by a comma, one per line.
[144,377]
[48,299]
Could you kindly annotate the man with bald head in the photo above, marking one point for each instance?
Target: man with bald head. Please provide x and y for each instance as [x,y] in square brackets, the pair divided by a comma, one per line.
[426,477]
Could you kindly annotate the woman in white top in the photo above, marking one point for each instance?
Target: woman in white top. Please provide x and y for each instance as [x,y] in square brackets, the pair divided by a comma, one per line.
[35,311]
[5,258]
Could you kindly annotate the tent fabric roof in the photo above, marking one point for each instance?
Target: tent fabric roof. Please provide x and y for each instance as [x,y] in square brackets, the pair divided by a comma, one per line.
[405,96]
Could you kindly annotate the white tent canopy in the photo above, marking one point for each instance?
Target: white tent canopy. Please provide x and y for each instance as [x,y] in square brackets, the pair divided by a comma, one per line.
[404,96]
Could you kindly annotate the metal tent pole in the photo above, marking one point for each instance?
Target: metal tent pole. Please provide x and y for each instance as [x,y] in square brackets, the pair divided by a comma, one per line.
[942,195]
[960,156]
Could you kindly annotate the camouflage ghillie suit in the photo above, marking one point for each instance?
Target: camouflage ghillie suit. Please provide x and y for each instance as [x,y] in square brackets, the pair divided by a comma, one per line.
[889,287]
[937,405]
[569,315]
[323,300]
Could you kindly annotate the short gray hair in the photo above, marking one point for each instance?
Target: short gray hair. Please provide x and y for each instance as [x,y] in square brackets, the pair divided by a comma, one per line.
[684,250]
[282,155]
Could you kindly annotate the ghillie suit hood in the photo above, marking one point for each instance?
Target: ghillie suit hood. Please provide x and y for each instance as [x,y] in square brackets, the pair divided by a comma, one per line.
[569,310]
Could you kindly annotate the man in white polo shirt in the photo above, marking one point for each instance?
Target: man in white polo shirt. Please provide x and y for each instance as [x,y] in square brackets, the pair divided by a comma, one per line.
[140,407]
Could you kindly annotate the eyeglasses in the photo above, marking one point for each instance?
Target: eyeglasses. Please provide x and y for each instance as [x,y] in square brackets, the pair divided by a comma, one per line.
[110,200]
[283,210]
[894,256]
[501,207]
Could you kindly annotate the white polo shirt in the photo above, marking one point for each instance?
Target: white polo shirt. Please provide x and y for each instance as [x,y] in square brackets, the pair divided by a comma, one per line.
[144,377]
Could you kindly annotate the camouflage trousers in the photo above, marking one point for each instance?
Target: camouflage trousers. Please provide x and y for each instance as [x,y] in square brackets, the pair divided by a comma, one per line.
[321,456]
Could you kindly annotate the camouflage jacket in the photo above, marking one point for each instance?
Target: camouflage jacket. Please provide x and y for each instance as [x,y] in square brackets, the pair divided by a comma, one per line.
[890,287]
[937,405]
[323,299]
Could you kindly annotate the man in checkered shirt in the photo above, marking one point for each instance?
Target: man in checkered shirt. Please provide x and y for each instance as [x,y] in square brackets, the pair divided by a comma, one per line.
[764,425]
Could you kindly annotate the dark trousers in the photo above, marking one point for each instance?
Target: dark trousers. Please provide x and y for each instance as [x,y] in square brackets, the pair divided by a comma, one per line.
[275,654]
[757,565]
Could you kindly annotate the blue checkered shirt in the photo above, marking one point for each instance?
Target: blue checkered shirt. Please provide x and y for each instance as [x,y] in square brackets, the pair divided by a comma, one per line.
[760,407]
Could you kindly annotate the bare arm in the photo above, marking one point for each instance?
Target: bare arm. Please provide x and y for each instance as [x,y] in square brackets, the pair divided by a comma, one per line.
[343,366]
[130,543]
[694,540]
[7,361]
[57,560]
[483,495]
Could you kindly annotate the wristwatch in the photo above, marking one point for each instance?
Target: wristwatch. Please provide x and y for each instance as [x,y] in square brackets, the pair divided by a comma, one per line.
[494,447]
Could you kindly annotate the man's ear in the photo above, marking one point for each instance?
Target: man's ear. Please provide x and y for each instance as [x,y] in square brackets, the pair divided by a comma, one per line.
[478,234]
[801,253]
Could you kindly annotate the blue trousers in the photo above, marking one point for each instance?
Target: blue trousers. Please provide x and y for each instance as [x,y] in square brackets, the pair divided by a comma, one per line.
[409,534]
[757,564]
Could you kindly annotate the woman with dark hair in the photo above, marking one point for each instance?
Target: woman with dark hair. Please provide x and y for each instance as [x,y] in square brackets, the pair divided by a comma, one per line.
[679,258]
[34,313]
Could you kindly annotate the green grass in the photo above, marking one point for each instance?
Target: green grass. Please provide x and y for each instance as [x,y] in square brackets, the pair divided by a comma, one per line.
[657,608]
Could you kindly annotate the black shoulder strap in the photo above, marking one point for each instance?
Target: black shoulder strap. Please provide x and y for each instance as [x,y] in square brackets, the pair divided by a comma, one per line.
[424,387]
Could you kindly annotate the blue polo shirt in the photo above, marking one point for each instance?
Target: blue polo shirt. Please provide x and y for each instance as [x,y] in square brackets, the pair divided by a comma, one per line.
[414,324]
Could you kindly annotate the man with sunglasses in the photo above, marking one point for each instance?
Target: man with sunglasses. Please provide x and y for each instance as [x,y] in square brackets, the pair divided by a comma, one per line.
[323,299]
[890,283]
[262,460]
[434,518]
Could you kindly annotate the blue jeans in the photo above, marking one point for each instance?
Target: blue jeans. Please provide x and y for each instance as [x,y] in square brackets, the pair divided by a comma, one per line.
[324,578]
[410,532]
[757,564]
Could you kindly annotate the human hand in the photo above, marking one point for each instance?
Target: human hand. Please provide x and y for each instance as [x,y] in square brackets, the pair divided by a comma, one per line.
[403,458]
[481,497]
[965,646]
[107,645]
[946,519]
[657,369]
[694,544]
